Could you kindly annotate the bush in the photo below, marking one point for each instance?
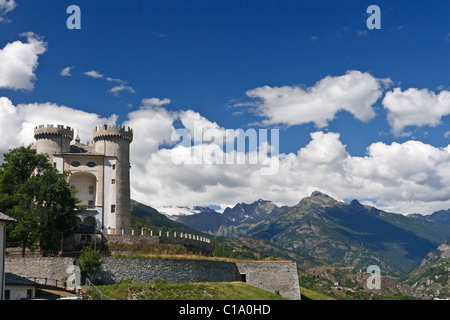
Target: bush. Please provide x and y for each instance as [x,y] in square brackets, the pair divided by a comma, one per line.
[89,261]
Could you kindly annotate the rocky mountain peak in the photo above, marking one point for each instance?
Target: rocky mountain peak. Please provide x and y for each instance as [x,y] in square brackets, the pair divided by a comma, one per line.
[356,204]
[318,198]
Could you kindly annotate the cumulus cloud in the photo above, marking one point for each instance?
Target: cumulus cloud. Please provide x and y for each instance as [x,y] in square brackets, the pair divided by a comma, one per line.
[18,62]
[400,177]
[152,127]
[414,107]
[354,92]
[17,122]
[405,178]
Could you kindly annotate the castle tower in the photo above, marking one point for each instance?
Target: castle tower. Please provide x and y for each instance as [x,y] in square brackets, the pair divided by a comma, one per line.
[53,140]
[114,144]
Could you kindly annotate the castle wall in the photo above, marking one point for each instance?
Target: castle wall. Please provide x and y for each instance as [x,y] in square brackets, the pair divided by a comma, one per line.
[191,244]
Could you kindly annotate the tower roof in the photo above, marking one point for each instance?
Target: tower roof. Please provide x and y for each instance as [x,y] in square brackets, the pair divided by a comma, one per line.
[43,131]
[5,218]
[110,132]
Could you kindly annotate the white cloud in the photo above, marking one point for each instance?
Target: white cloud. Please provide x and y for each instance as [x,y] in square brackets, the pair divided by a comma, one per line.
[18,62]
[66,71]
[407,177]
[94,74]
[152,127]
[114,90]
[414,107]
[17,122]
[155,102]
[121,87]
[355,92]
[5,7]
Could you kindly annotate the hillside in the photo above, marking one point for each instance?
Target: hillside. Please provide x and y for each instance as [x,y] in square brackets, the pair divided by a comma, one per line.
[319,228]
[432,278]
[333,243]
[353,234]
[145,216]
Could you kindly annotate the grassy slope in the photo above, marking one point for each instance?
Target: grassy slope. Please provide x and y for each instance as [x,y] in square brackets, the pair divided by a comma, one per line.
[308,294]
[161,290]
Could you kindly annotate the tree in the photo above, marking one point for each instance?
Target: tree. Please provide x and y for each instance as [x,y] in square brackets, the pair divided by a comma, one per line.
[89,261]
[18,166]
[38,196]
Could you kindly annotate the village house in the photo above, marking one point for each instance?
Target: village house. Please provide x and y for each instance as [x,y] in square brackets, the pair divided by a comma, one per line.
[4,221]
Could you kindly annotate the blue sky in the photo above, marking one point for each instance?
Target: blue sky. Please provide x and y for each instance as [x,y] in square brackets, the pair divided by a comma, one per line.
[206,56]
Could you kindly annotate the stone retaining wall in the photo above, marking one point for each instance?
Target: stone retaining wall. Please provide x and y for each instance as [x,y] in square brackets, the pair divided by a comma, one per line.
[43,267]
[170,270]
[273,276]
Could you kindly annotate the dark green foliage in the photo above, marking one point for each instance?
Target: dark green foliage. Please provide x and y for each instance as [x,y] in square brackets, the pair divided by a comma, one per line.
[89,261]
[38,196]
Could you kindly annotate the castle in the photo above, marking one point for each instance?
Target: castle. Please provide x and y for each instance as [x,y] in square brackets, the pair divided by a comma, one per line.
[99,171]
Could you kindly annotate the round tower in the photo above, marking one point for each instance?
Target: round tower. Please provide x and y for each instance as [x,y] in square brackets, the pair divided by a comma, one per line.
[112,142]
[53,140]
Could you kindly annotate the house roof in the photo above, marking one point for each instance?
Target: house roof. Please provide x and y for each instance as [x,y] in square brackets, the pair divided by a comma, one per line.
[14,279]
[5,218]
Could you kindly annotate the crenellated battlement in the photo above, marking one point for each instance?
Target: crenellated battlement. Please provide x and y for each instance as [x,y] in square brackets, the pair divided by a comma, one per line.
[44,131]
[110,131]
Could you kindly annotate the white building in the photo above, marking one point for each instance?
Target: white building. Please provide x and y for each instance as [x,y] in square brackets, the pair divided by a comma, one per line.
[19,288]
[4,220]
[99,171]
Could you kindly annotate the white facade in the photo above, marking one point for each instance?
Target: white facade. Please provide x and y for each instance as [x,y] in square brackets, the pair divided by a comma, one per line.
[2,259]
[19,292]
[4,220]
[98,171]
[110,194]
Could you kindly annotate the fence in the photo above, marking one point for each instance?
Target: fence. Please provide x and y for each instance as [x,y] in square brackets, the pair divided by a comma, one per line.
[50,283]
[168,234]
[98,294]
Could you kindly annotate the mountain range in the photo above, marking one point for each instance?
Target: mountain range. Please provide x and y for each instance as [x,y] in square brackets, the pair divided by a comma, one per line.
[338,233]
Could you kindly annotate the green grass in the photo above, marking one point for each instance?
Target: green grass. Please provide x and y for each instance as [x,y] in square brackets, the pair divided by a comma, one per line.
[161,290]
[308,294]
